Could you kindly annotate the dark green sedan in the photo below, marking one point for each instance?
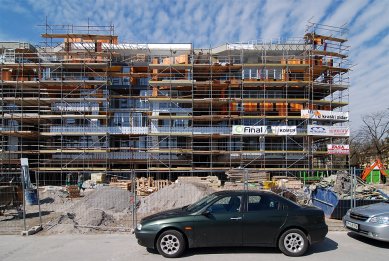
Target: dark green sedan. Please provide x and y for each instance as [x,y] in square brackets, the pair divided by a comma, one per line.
[234,218]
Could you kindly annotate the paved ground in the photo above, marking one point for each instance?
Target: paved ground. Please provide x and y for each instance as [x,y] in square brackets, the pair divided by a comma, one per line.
[337,246]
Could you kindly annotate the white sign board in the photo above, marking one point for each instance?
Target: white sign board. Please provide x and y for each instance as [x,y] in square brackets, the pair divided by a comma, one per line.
[284,130]
[320,130]
[324,115]
[338,149]
[249,130]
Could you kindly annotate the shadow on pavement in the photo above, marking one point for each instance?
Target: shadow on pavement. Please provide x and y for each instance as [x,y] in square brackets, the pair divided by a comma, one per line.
[230,250]
[369,241]
[36,214]
[326,245]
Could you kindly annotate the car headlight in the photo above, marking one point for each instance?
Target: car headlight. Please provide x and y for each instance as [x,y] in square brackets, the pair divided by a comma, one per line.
[138,226]
[384,220]
[348,212]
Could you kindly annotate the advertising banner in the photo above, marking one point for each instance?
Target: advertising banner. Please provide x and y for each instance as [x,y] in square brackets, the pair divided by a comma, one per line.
[320,130]
[324,115]
[340,131]
[249,130]
[338,149]
[284,130]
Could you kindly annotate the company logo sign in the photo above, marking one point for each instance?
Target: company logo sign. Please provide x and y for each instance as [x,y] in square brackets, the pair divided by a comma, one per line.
[324,115]
[249,130]
[338,149]
[319,130]
[340,131]
[284,130]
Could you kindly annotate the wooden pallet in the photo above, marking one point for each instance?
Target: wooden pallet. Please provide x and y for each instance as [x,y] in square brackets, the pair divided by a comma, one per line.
[121,185]
[144,186]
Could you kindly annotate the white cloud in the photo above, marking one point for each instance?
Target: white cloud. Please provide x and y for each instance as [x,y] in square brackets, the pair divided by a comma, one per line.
[345,12]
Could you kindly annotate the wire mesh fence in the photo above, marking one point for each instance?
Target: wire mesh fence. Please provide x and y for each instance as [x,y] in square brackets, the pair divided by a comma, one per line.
[100,202]
[107,203]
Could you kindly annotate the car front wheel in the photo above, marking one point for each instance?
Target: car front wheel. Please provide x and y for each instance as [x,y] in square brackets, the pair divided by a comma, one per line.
[293,242]
[171,243]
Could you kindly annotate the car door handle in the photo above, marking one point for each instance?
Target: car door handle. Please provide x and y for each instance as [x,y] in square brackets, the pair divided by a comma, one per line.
[236,218]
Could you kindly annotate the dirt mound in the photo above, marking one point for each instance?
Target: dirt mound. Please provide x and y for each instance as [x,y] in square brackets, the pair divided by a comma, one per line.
[103,207]
[109,209]
[173,196]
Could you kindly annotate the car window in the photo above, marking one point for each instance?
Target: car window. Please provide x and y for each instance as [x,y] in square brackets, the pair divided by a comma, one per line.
[201,203]
[226,204]
[259,203]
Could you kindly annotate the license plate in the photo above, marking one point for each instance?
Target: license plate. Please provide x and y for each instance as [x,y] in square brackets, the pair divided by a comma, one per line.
[351,225]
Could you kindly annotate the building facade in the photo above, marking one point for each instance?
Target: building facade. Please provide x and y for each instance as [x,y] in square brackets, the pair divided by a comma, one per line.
[85,103]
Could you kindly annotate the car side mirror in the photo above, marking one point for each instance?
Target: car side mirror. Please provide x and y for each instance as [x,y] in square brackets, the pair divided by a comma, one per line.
[206,212]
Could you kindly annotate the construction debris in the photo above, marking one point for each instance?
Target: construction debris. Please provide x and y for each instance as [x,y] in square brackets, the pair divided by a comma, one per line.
[341,185]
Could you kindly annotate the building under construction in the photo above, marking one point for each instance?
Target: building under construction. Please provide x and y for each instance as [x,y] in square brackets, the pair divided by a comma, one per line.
[82,102]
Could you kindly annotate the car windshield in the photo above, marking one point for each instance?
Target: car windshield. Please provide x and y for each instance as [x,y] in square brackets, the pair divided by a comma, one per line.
[201,203]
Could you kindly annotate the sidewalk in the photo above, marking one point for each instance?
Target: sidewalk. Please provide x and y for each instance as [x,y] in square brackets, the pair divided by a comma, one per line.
[335,225]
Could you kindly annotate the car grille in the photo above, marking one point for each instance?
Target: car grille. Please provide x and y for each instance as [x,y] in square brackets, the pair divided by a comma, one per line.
[358,216]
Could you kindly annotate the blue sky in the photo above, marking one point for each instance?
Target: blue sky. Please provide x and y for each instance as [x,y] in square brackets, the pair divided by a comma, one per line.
[208,23]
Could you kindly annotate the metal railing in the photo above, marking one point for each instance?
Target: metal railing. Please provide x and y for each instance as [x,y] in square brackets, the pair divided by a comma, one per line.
[81,107]
[102,129]
[195,130]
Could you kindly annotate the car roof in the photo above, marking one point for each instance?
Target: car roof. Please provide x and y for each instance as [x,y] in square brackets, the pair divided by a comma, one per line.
[234,192]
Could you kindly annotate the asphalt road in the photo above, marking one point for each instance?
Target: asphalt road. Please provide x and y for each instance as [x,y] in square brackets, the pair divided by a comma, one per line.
[115,247]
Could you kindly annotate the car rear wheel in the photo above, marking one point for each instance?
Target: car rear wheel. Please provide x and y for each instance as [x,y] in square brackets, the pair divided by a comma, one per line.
[171,243]
[293,242]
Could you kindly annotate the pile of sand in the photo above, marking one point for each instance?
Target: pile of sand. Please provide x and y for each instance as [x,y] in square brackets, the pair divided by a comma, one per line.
[173,196]
[103,207]
[108,208]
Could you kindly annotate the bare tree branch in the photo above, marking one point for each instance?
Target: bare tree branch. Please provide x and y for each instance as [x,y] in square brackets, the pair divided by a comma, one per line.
[375,131]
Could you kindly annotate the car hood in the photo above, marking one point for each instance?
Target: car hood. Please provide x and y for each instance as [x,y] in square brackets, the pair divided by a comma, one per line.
[177,212]
[372,210]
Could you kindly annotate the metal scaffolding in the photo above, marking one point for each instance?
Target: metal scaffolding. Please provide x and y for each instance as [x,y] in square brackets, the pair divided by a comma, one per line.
[83,103]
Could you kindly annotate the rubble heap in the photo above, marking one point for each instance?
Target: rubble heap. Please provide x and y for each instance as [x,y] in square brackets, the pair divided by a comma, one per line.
[341,185]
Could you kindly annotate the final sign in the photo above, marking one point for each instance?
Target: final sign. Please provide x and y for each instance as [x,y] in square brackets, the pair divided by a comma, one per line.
[338,149]
[249,130]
